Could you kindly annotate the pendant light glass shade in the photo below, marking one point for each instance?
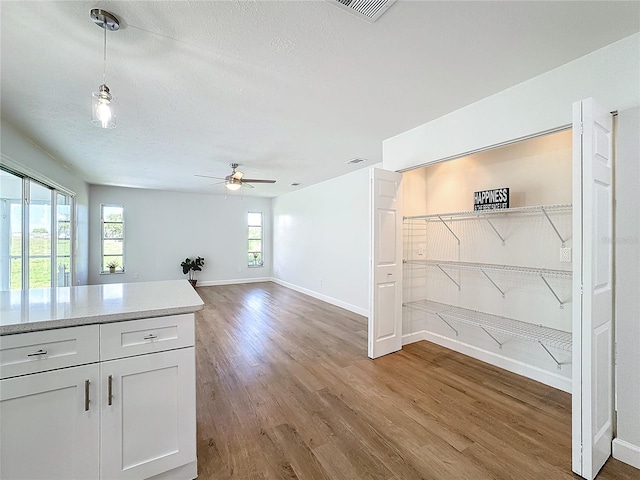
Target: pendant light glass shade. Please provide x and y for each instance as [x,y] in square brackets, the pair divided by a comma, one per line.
[102,108]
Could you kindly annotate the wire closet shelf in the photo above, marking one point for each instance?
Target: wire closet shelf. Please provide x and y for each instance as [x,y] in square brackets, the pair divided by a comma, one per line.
[488,215]
[542,272]
[546,337]
[565,207]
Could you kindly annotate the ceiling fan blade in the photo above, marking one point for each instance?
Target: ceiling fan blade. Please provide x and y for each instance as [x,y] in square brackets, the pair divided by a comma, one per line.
[209,176]
[238,175]
[257,180]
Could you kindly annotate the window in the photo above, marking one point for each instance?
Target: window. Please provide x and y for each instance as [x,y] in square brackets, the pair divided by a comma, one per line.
[36,233]
[254,258]
[112,227]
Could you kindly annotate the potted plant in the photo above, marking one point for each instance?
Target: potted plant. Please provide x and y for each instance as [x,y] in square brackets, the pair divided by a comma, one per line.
[112,265]
[190,266]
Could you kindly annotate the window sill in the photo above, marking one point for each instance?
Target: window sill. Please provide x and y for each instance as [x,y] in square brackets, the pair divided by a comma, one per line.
[109,273]
[255,266]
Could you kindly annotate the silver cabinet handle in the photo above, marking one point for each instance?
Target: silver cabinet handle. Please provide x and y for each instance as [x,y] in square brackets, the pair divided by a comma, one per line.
[37,353]
[151,336]
[86,395]
[110,389]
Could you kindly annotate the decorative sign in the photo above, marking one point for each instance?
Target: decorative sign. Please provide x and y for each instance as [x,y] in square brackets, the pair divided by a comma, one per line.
[491,199]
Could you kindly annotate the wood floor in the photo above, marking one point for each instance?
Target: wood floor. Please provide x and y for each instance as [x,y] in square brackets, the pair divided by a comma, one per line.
[285,390]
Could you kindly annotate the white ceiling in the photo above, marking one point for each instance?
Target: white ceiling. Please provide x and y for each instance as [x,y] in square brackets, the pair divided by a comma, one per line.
[290,90]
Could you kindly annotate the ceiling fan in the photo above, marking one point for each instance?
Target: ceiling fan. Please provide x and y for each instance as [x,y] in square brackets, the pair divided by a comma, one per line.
[236,179]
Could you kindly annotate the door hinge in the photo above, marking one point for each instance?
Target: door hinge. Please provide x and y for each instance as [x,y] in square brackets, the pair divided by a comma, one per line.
[581,128]
[580,289]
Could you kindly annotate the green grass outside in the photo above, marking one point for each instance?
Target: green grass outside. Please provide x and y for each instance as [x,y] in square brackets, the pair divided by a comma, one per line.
[39,268]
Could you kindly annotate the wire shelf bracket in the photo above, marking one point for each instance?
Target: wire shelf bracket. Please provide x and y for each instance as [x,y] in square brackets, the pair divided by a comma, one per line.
[564,241]
[552,291]
[558,364]
[448,324]
[492,282]
[492,337]
[448,228]
[495,230]
[449,276]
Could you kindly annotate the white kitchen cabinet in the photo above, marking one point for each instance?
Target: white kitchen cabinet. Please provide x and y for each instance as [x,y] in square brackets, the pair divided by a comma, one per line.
[49,425]
[111,401]
[148,420]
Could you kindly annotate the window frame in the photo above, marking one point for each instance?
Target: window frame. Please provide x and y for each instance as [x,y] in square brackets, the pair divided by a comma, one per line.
[29,178]
[102,239]
[261,252]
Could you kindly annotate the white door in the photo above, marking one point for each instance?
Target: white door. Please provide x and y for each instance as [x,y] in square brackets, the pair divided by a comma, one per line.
[592,288]
[385,305]
[148,414]
[50,424]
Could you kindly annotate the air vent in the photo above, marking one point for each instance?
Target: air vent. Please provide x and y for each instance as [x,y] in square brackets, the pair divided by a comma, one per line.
[369,10]
[295,184]
[355,161]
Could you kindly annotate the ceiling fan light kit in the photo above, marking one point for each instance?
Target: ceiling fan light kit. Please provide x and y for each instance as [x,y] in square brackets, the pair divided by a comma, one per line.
[233,184]
[102,101]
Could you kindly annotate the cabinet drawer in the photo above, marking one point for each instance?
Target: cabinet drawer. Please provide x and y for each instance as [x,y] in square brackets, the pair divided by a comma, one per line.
[32,352]
[137,337]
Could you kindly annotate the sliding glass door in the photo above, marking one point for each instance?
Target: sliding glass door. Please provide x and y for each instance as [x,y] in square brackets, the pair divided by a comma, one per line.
[40,233]
[35,234]
[63,239]
[11,196]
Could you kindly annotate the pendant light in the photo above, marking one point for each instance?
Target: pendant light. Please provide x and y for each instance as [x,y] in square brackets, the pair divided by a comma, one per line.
[102,111]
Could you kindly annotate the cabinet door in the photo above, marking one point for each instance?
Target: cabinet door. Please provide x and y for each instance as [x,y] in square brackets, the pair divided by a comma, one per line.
[148,414]
[49,425]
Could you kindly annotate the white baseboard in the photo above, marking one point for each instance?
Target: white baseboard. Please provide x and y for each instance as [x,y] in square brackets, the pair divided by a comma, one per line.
[324,298]
[626,452]
[515,366]
[233,281]
[408,338]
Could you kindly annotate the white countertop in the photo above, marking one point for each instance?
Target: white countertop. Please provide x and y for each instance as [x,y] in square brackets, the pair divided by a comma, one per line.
[45,308]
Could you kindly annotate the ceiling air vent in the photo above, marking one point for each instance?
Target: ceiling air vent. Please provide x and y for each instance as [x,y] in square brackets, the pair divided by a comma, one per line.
[355,161]
[369,10]
[295,184]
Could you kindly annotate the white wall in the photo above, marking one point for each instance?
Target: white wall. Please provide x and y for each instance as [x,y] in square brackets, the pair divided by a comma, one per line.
[321,241]
[162,228]
[627,299]
[611,75]
[20,153]
[537,171]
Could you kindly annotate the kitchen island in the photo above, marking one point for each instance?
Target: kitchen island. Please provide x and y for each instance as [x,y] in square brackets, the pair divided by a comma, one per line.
[98,382]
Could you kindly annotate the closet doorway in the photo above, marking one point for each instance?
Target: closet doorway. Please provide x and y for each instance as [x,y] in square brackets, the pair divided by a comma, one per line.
[588,244]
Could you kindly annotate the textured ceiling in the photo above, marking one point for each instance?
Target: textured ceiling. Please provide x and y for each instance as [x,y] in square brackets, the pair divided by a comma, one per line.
[289,90]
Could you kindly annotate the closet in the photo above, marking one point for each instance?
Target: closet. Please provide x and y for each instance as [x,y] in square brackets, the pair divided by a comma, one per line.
[494,284]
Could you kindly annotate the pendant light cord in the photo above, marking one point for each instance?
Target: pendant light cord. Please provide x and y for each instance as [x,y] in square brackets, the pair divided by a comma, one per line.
[104,65]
